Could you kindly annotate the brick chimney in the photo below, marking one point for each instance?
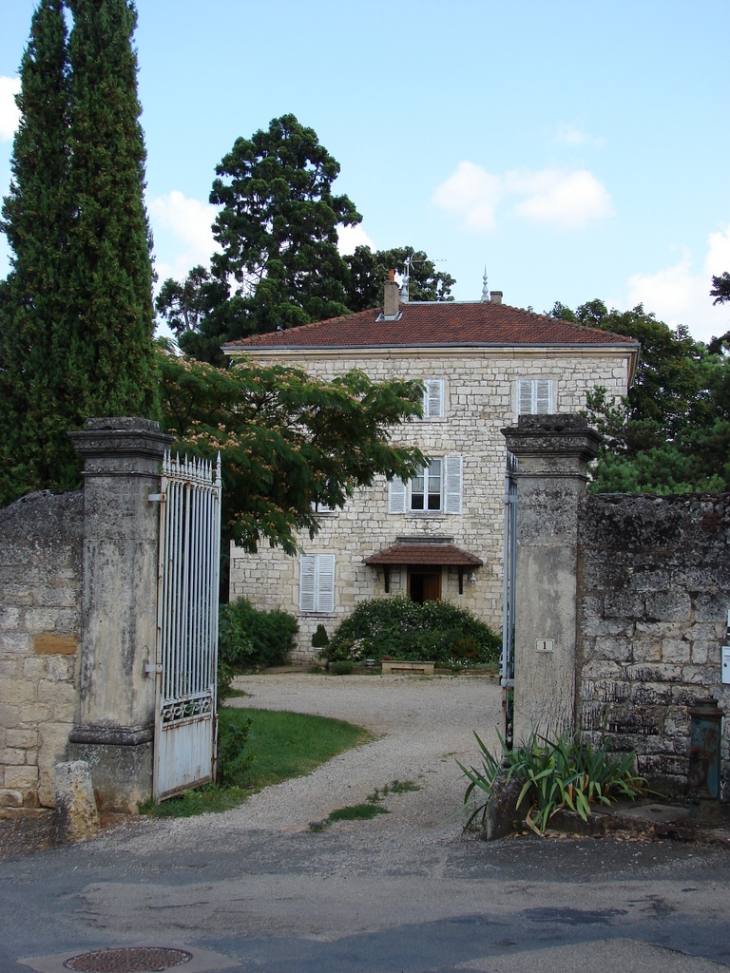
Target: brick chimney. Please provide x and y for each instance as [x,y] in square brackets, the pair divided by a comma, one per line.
[391,298]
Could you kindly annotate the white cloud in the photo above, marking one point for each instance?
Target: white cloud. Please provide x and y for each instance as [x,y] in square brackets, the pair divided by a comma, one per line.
[565,199]
[551,196]
[472,193]
[679,295]
[9,111]
[189,239]
[570,135]
[349,237]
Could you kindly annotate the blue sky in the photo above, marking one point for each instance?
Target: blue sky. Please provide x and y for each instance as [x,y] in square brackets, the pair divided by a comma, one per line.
[576,149]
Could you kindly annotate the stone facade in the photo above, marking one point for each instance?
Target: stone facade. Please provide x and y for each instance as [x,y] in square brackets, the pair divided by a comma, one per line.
[480,397]
[40,608]
[653,596]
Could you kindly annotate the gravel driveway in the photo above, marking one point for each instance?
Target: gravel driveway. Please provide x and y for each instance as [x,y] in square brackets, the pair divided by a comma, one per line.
[422,726]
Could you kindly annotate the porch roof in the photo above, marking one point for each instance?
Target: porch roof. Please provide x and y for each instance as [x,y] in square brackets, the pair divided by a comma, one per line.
[423,554]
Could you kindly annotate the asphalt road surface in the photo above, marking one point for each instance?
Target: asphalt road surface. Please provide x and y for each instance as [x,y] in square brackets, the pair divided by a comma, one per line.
[257,890]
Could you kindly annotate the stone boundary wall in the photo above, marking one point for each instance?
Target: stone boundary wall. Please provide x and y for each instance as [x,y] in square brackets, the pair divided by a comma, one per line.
[653,592]
[40,608]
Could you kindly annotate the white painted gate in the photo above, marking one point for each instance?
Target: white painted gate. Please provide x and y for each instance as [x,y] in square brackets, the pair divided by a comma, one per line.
[187,625]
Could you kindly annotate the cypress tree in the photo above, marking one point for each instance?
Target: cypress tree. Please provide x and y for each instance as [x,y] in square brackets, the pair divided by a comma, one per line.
[36,218]
[111,364]
[76,316]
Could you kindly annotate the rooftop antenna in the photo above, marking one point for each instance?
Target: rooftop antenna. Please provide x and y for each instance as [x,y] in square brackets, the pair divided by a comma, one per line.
[407,274]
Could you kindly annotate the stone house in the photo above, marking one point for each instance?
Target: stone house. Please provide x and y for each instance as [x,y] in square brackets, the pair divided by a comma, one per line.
[482,364]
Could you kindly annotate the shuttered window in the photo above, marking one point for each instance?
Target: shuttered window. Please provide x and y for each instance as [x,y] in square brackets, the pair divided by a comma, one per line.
[437,488]
[534,396]
[317,582]
[433,398]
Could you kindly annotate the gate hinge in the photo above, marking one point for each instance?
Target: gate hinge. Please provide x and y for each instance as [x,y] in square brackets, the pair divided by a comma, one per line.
[152,668]
[154,497]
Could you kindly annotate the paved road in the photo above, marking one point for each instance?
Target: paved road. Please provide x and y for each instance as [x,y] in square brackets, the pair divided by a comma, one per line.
[402,892]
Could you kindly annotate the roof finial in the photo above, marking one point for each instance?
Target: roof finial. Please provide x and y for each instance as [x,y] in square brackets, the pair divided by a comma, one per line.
[485,286]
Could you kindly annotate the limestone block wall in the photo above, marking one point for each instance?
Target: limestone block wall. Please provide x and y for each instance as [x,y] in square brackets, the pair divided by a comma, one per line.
[480,398]
[40,597]
[653,596]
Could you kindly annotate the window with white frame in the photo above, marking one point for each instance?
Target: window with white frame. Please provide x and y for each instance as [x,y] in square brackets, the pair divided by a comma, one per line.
[317,583]
[435,489]
[534,396]
[433,398]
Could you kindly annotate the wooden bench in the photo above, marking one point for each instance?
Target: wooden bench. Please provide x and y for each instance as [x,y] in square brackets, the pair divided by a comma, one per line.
[423,668]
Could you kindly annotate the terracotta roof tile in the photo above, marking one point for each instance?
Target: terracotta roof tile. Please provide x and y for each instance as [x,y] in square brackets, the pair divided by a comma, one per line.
[444,323]
[446,554]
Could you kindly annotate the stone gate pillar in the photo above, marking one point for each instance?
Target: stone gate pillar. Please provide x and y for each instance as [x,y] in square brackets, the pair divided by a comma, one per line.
[114,723]
[553,453]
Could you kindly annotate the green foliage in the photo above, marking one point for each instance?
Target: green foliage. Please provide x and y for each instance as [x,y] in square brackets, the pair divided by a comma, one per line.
[36,218]
[562,774]
[320,637]
[249,638]
[721,288]
[368,270]
[76,313]
[341,667]
[403,629]
[671,433]
[233,761]
[287,440]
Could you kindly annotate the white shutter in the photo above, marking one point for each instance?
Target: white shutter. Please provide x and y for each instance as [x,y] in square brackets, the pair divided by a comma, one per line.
[452,484]
[326,582]
[433,398]
[396,496]
[307,583]
[524,397]
[543,396]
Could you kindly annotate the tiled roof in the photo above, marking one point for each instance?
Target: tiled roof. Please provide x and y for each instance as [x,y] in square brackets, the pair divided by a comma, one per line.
[442,323]
[446,554]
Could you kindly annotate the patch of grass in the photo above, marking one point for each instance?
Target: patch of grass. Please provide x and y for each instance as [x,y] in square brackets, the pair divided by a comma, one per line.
[356,812]
[282,745]
[368,810]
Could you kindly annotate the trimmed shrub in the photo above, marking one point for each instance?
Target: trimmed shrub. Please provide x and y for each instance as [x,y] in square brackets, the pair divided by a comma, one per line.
[341,667]
[403,629]
[320,639]
[253,639]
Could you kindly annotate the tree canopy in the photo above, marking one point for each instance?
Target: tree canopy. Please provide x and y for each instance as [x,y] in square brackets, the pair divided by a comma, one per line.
[288,441]
[76,316]
[368,270]
[671,433]
[279,265]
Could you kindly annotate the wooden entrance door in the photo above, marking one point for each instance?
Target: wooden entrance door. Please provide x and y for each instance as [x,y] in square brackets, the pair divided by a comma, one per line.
[424,584]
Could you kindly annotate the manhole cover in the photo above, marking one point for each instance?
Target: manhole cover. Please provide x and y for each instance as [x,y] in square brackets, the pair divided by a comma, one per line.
[133,959]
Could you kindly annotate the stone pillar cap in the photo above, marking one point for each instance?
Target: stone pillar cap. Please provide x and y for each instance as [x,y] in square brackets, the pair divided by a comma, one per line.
[567,433]
[121,435]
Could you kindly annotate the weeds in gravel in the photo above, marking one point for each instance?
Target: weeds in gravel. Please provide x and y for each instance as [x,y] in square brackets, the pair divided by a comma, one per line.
[370,809]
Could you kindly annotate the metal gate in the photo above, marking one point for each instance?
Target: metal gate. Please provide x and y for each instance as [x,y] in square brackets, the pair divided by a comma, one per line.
[187,625]
[507,661]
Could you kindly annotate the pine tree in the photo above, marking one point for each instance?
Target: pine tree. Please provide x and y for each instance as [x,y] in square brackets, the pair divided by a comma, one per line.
[36,218]
[111,363]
